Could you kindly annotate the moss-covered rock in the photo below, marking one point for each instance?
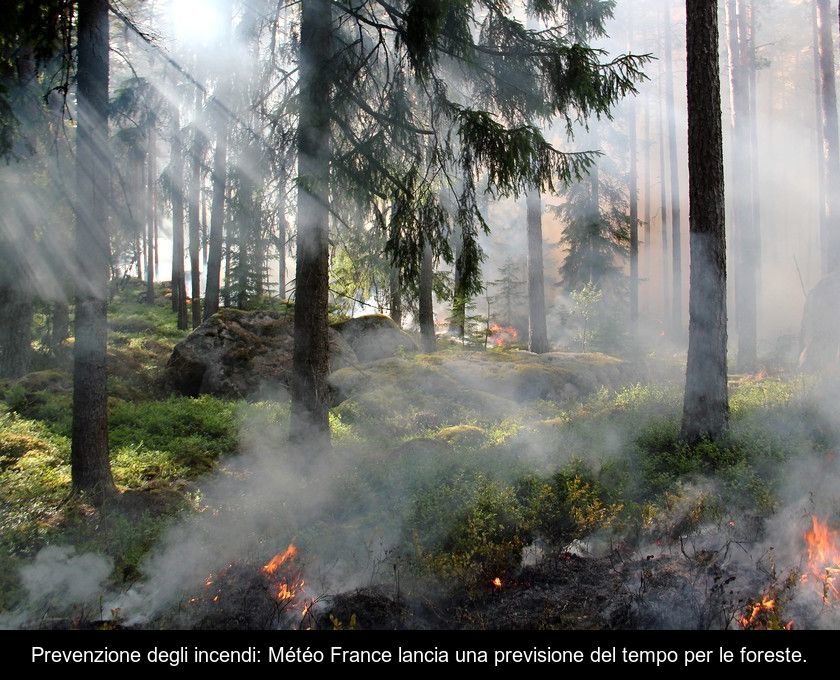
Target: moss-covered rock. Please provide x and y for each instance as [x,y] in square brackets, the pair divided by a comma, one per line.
[375,337]
[239,353]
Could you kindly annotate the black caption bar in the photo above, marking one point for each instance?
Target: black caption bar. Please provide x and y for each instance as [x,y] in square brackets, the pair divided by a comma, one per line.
[487,651]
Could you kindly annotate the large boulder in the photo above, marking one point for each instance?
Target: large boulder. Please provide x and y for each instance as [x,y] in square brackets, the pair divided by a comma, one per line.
[239,354]
[375,337]
[820,335]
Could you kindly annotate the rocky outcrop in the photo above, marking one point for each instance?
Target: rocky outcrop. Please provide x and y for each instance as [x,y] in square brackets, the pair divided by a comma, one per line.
[375,337]
[240,354]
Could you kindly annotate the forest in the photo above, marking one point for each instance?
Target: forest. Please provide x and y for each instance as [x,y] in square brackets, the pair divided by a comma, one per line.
[419,314]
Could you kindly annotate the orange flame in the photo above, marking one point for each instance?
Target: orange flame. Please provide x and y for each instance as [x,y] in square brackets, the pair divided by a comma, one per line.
[497,582]
[288,584]
[279,560]
[823,558]
[752,618]
[503,335]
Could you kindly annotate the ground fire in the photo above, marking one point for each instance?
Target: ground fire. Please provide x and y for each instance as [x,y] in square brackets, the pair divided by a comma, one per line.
[823,566]
[503,335]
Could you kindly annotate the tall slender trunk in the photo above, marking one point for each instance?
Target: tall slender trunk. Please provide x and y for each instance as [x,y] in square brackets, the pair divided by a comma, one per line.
[706,404]
[176,167]
[831,141]
[90,466]
[60,324]
[676,221]
[594,206]
[742,185]
[426,314]
[634,217]
[648,198]
[194,192]
[752,72]
[537,331]
[309,422]
[457,320]
[217,219]
[227,240]
[663,202]
[395,294]
[282,229]
[151,214]
[16,313]
[820,141]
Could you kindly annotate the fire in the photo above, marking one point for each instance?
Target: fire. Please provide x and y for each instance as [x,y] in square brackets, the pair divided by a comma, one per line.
[286,584]
[503,335]
[823,558]
[763,614]
[279,560]
[497,582]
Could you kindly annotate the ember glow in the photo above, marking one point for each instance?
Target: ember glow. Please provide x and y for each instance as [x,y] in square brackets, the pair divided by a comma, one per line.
[497,582]
[823,568]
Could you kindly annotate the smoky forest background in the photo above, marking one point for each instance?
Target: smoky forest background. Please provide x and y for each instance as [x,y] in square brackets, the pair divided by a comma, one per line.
[331,314]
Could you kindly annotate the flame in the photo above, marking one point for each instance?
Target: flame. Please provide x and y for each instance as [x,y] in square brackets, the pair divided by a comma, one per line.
[752,618]
[287,584]
[503,335]
[279,560]
[763,614]
[497,582]
[823,558]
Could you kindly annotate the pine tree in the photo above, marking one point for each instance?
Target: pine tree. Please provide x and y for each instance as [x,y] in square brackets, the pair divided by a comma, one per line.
[89,462]
[706,404]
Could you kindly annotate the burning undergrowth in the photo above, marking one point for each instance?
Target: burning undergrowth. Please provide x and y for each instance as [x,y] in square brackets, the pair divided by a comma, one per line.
[599,518]
[242,595]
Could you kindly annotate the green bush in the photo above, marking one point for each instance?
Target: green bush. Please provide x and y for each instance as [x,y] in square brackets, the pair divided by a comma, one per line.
[571,504]
[470,530]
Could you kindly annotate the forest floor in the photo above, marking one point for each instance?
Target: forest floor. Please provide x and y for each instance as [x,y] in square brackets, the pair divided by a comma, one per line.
[437,508]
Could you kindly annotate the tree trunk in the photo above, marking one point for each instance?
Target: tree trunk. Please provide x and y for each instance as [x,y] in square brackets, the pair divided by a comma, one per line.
[176,164]
[89,463]
[537,332]
[195,222]
[663,202]
[706,404]
[60,325]
[309,423]
[820,141]
[282,230]
[217,220]
[243,265]
[634,218]
[676,221]
[831,142]
[395,294]
[151,215]
[742,185]
[648,200]
[15,318]
[426,314]
[458,319]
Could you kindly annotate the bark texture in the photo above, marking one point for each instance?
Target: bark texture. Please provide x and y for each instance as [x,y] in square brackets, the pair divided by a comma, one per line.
[706,404]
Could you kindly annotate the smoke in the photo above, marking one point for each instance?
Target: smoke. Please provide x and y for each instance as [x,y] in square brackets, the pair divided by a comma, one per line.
[58,581]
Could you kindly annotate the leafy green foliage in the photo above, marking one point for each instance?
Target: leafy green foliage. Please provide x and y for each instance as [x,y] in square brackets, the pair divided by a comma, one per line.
[472,530]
